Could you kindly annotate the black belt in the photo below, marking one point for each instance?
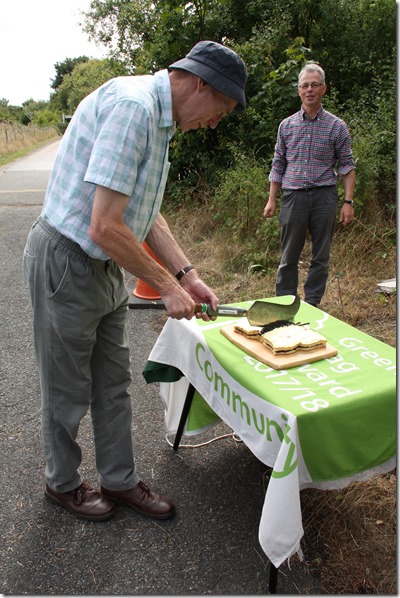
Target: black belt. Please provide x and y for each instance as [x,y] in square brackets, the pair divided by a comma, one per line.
[311,188]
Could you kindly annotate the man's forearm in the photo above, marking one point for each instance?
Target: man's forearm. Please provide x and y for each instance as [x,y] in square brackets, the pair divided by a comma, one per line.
[273,190]
[349,182]
[110,232]
[161,240]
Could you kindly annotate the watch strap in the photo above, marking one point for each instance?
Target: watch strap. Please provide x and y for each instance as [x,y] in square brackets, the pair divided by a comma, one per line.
[183,271]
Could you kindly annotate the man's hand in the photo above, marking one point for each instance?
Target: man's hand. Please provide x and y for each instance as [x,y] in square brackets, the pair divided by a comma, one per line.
[346,214]
[199,292]
[178,304]
[269,209]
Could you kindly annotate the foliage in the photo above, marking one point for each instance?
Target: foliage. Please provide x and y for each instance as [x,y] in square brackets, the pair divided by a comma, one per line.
[9,113]
[353,40]
[372,119]
[237,212]
[24,114]
[349,38]
[148,36]
[46,118]
[31,109]
[65,68]
[84,78]
[279,92]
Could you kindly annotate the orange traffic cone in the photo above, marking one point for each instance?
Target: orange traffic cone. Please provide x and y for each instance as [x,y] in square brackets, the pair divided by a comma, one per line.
[142,289]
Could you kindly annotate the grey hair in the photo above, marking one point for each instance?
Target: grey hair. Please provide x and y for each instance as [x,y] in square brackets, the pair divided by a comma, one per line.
[312,67]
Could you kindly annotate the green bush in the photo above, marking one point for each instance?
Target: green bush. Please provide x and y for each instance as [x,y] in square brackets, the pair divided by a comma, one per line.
[61,128]
[46,118]
[237,208]
[372,122]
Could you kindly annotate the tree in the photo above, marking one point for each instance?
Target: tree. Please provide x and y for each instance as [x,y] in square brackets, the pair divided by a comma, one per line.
[46,118]
[65,68]
[349,38]
[84,78]
[30,108]
[148,36]
[353,40]
[9,113]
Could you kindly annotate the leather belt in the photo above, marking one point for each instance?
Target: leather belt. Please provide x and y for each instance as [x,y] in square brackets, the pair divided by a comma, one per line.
[311,188]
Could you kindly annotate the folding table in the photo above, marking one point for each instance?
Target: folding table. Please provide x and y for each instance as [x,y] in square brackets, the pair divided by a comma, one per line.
[323,424]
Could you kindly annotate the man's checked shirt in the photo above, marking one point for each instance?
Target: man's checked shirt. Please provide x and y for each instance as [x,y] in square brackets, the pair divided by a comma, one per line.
[118,138]
[307,151]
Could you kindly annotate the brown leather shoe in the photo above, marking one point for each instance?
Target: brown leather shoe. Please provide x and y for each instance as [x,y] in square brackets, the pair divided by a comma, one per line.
[143,500]
[83,502]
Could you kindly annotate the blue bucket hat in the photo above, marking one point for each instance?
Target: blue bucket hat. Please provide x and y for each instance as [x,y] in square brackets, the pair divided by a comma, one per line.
[218,66]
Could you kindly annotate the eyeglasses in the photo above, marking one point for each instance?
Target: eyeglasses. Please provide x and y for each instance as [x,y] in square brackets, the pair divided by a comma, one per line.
[312,85]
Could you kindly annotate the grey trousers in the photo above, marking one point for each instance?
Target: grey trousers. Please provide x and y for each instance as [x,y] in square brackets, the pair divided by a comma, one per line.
[301,211]
[81,345]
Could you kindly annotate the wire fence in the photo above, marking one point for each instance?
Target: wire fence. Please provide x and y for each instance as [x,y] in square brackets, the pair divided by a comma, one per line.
[14,136]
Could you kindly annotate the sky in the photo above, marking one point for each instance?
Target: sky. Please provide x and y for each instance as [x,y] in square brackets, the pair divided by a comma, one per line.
[34,35]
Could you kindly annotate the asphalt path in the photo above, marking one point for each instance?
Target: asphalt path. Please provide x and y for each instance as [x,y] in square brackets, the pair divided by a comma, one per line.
[210,547]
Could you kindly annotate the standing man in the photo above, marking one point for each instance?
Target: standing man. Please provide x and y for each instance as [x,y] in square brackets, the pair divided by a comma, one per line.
[103,200]
[309,145]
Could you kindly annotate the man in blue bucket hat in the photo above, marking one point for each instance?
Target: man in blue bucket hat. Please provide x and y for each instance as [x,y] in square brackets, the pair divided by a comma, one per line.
[219,67]
[102,201]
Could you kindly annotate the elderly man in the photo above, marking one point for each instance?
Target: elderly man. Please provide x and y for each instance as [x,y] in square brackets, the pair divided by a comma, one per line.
[309,145]
[103,200]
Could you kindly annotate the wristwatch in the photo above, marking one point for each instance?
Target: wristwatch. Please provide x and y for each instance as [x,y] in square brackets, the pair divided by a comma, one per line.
[349,201]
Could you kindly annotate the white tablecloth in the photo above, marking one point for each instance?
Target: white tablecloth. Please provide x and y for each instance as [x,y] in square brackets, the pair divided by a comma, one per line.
[270,430]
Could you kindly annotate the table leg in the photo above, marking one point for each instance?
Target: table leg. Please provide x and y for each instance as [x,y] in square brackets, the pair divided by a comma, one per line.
[184,415]
[273,571]
[273,579]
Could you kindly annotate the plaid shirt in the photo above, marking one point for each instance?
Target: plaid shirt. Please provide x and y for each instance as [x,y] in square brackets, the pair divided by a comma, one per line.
[118,138]
[307,151]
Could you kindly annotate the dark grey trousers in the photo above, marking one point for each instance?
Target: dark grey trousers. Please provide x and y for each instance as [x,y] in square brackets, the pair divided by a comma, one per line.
[313,210]
[81,345]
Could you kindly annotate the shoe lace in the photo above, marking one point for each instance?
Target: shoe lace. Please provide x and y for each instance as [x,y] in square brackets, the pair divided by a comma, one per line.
[79,494]
[143,486]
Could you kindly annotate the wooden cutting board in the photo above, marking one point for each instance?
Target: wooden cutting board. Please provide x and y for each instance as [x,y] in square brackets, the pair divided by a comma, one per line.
[278,362]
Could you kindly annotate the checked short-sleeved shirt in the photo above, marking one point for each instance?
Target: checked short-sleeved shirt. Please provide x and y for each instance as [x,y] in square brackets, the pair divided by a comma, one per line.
[118,138]
[307,151]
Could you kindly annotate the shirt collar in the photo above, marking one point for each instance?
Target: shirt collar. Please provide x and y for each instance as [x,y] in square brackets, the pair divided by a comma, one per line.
[319,114]
[165,98]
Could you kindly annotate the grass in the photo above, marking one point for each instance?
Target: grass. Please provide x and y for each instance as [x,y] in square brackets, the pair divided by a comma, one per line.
[350,535]
[18,140]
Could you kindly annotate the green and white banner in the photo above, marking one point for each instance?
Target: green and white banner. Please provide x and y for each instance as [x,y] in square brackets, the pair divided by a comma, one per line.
[327,422]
